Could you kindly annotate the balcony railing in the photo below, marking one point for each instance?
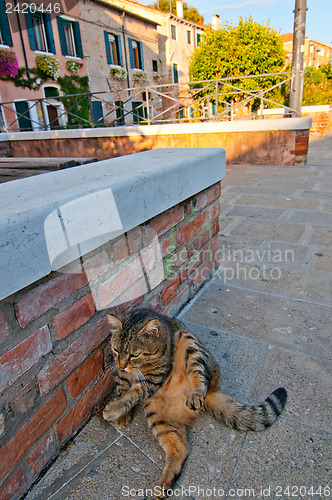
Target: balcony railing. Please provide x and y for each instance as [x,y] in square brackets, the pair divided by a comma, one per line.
[233,98]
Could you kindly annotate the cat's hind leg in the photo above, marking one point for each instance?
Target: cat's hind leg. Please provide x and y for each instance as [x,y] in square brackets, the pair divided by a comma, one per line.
[172,437]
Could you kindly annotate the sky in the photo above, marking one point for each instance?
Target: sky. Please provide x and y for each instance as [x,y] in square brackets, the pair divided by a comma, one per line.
[278,12]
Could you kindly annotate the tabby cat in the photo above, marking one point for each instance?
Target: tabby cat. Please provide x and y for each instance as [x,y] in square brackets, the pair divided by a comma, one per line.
[161,363]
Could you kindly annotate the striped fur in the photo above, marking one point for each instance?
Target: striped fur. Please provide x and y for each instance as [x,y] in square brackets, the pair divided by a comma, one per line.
[167,367]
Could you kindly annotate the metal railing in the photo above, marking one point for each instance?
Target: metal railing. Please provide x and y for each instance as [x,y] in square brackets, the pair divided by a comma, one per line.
[233,98]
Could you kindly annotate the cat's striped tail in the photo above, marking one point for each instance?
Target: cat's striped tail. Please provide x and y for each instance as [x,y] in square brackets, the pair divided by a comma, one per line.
[244,417]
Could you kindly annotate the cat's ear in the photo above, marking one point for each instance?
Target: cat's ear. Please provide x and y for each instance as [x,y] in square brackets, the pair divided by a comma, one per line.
[152,328]
[114,322]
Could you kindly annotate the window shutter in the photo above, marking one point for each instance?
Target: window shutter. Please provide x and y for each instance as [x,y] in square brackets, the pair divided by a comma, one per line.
[49,32]
[107,45]
[118,44]
[140,48]
[131,55]
[62,36]
[77,37]
[31,33]
[5,24]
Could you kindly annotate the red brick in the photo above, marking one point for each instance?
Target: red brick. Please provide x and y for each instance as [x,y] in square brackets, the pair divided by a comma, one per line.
[301,146]
[42,420]
[201,275]
[179,300]
[167,220]
[37,301]
[42,454]
[132,299]
[207,196]
[185,232]
[298,152]
[3,328]
[76,416]
[303,140]
[134,239]
[167,245]
[22,357]
[14,486]
[170,290]
[120,250]
[115,285]
[96,265]
[75,316]
[214,211]
[69,359]
[80,379]
[155,303]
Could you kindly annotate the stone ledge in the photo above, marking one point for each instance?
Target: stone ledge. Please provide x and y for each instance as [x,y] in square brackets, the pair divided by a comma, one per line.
[172,129]
[49,220]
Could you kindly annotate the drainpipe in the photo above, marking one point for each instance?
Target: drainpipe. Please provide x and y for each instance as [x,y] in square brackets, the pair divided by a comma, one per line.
[125,48]
[22,42]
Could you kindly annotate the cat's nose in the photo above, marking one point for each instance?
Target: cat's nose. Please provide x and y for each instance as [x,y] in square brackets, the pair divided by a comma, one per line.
[122,363]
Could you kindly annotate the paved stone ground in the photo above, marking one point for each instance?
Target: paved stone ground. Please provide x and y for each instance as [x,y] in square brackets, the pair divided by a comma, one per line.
[266,316]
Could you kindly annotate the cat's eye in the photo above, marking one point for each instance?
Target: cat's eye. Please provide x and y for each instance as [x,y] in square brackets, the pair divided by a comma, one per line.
[135,355]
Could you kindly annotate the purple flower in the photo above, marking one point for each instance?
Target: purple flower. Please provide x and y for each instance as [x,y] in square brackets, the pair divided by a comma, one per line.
[8,63]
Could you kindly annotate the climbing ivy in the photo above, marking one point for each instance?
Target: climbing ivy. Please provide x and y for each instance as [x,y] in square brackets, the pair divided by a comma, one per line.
[77,106]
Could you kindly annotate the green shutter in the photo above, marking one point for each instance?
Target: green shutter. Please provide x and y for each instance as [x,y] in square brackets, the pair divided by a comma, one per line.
[107,45]
[62,36]
[77,37]
[49,32]
[5,24]
[141,60]
[131,55]
[118,44]
[31,32]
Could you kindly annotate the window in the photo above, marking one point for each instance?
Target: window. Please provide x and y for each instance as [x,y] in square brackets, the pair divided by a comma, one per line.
[113,49]
[5,34]
[119,113]
[154,66]
[136,54]
[70,37]
[40,31]
[198,38]
[189,37]
[173,32]
[175,73]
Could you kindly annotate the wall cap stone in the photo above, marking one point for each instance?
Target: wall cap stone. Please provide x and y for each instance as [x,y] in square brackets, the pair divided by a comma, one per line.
[50,220]
[172,129]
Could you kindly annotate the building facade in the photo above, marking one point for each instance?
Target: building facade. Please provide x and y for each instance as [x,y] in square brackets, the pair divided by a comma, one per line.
[48,44]
[117,44]
[316,53]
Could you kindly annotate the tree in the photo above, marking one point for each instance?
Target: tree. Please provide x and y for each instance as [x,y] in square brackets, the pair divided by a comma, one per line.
[245,49]
[318,86]
[189,13]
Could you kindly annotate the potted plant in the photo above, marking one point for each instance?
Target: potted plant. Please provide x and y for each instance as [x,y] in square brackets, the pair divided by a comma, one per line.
[48,65]
[118,73]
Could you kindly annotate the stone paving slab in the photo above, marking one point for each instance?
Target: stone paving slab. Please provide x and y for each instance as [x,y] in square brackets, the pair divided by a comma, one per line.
[263,317]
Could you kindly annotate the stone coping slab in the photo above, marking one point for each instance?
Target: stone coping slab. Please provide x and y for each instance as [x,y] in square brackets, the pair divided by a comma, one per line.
[175,128]
[52,219]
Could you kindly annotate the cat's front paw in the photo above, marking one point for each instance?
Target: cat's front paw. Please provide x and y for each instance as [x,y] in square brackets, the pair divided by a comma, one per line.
[195,400]
[123,421]
[113,411]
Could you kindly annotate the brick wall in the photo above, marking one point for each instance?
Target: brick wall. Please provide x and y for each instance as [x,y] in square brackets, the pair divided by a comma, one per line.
[321,122]
[55,365]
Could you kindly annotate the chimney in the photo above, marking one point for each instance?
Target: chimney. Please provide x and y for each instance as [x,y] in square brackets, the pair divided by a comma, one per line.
[179,8]
[216,22]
